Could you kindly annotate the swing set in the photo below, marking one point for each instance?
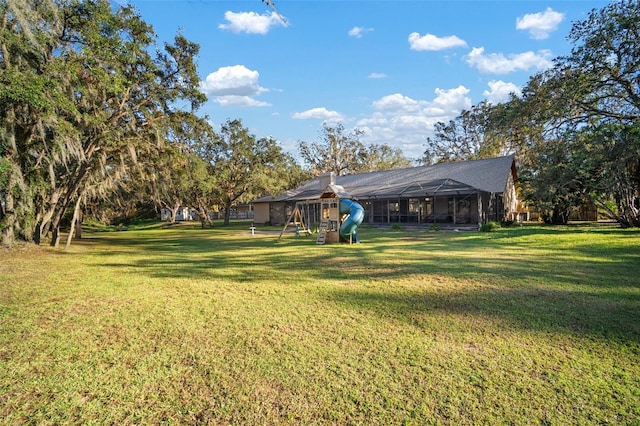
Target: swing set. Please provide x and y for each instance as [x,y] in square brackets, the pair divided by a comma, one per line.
[301,218]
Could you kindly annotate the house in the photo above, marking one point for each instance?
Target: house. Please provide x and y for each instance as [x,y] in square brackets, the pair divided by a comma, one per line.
[465,193]
[182,214]
[240,211]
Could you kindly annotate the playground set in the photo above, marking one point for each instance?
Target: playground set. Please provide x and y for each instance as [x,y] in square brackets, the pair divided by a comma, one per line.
[336,213]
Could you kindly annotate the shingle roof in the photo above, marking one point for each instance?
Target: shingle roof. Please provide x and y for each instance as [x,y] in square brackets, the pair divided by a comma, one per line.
[487,175]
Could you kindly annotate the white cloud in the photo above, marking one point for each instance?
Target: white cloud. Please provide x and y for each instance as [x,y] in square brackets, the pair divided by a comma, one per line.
[500,91]
[446,103]
[378,75]
[358,32]
[497,63]
[376,120]
[406,123]
[432,42]
[396,103]
[453,98]
[318,113]
[234,85]
[240,101]
[251,22]
[540,24]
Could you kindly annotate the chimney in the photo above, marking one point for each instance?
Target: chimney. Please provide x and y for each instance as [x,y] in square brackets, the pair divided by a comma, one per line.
[326,180]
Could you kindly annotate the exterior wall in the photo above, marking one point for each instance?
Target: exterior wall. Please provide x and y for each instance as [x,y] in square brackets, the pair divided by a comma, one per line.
[278,212]
[183,214]
[493,208]
[474,208]
[261,213]
[510,198]
[456,208]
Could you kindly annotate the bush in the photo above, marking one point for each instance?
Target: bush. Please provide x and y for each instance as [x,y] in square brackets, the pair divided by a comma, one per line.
[435,227]
[397,227]
[489,226]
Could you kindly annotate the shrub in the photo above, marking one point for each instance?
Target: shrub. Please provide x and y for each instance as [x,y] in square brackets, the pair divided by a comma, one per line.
[397,227]
[435,227]
[489,226]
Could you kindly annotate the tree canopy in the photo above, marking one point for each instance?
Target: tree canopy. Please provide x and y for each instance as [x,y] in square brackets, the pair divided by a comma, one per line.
[343,153]
[83,100]
[467,137]
[246,167]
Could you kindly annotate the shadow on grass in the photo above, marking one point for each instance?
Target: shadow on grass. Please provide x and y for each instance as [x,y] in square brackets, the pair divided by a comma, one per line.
[543,310]
[197,254]
[522,276]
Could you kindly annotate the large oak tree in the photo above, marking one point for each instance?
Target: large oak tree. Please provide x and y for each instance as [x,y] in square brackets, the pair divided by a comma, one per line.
[343,153]
[85,93]
[244,167]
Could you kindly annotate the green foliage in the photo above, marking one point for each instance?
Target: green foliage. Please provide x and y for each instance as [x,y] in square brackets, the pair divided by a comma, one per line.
[244,167]
[25,88]
[343,153]
[336,152]
[4,173]
[490,226]
[575,129]
[378,157]
[85,97]
[397,227]
[578,121]
[469,136]
[435,227]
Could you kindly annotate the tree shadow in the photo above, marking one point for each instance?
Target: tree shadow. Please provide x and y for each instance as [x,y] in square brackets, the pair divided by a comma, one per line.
[582,289]
[544,310]
[204,255]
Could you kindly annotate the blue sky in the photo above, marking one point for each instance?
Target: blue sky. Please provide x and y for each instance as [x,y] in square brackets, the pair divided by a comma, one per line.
[389,68]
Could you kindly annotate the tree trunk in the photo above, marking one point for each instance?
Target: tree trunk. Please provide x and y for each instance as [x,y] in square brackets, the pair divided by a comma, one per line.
[78,235]
[55,237]
[71,192]
[630,211]
[8,235]
[45,223]
[36,234]
[74,220]
[560,215]
[227,214]
[203,217]
[174,213]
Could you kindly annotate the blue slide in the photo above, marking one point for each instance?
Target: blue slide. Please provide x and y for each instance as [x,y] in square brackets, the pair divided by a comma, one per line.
[356,215]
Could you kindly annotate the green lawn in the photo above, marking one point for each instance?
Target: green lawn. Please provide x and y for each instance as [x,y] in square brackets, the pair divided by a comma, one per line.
[179,325]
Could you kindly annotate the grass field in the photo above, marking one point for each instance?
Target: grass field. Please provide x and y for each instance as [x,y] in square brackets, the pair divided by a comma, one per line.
[179,325]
